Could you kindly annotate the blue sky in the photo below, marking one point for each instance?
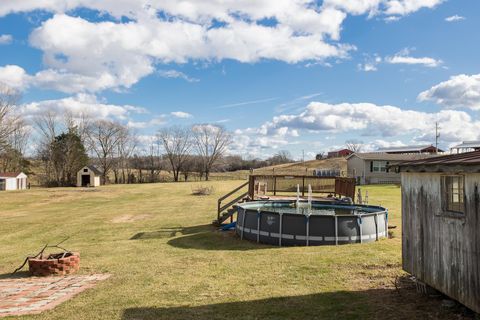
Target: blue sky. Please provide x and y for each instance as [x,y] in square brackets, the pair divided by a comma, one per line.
[281,75]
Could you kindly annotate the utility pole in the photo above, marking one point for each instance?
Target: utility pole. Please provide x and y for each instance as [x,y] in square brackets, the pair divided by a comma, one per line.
[437,135]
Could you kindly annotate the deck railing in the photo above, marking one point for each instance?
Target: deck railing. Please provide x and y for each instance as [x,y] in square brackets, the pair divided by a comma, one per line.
[278,184]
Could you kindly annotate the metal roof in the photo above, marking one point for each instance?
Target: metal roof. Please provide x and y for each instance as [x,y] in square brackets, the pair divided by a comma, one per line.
[94,170]
[390,156]
[405,149]
[468,144]
[338,150]
[9,174]
[467,158]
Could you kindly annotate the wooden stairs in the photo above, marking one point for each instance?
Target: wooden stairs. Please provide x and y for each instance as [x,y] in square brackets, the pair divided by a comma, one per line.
[227,210]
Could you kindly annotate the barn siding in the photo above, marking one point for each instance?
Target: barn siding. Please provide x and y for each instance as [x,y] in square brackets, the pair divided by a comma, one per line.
[440,250]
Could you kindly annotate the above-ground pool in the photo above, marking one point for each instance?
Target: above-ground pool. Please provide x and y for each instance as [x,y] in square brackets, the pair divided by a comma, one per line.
[321,223]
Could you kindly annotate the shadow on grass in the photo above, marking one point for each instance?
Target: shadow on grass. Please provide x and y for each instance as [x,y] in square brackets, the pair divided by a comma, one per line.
[18,275]
[368,304]
[203,237]
[172,232]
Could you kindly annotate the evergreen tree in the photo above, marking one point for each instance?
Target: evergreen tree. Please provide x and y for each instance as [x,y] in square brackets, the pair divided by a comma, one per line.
[68,156]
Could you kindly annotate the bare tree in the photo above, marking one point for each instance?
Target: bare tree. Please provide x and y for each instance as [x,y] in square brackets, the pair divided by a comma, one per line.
[282,156]
[104,137]
[321,155]
[18,139]
[47,126]
[12,154]
[8,118]
[211,142]
[125,149]
[176,142]
[153,161]
[354,145]
[188,167]
[81,122]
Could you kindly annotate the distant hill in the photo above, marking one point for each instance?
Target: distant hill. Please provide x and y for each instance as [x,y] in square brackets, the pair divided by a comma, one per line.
[305,167]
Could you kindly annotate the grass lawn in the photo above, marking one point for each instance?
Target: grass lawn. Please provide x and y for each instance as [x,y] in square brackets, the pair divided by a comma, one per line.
[168,262]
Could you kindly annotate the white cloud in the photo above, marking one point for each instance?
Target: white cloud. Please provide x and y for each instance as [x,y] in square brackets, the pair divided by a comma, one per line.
[176,74]
[5,39]
[155,121]
[426,61]
[392,19]
[454,18]
[14,77]
[459,91]
[67,82]
[403,57]
[355,7]
[404,7]
[85,56]
[372,120]
[201,11]
[248,143]
[128,51]
[367,67]
[81,104]
[181,114]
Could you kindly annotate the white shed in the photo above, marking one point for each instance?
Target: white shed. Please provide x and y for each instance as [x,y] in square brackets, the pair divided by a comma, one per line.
[88,176]
[13,181]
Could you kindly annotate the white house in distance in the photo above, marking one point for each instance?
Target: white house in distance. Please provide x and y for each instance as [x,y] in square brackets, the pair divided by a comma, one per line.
[13,181]
[88,176]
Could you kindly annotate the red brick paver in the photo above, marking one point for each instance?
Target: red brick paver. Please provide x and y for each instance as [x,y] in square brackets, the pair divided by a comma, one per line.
[36,294]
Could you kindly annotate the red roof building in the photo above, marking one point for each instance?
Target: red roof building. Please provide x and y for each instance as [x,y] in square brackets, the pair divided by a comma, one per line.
[339,153]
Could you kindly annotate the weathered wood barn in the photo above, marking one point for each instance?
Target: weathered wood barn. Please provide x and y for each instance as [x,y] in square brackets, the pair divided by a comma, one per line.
[441,224]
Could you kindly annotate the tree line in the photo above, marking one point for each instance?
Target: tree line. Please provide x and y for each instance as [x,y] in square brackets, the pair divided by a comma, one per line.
[59,145]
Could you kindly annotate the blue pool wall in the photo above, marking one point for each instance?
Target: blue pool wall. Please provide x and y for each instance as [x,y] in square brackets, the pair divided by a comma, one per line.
[290,229]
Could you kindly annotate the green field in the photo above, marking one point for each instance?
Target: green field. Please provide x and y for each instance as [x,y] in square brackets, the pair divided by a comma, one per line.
[168,262]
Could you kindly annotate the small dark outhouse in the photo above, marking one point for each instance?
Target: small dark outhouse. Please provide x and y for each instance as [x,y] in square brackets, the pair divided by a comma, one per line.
[441,224]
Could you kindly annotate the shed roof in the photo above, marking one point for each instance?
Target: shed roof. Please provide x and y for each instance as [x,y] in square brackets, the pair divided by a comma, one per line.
[93,169]
[10,174]
[339,150]
[467,158]
[406,148]
[389,156]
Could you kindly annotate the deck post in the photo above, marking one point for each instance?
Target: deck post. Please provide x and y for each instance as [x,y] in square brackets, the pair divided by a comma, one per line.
[243,223]
[386,223]
[307,231]
[303,186]
[336,230]
[274,185]
[359,221]
[280,230]
[251,187]
[258,226]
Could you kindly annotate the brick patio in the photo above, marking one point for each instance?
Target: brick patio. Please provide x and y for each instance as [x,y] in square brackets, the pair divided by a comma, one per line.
[32,295]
